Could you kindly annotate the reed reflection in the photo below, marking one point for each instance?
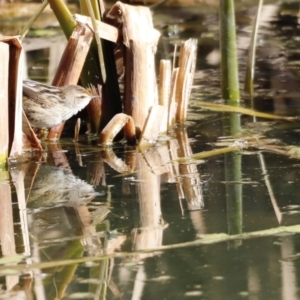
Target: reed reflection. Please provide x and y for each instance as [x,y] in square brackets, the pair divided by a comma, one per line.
[62,219]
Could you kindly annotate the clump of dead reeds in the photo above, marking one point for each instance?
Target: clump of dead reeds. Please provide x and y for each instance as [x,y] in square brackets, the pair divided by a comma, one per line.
[147,110]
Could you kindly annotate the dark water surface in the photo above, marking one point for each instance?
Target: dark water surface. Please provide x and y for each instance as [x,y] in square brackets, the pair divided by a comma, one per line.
[126,206]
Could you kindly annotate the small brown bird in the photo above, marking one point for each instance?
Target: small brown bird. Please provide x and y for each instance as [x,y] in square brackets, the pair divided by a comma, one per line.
[46,106]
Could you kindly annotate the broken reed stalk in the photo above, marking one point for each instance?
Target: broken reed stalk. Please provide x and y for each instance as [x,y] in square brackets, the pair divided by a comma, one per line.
[164,91]
[152,127]
[118,122]
[186,65]
[4,78]
[71,64]
[11,97]
[74,56]
[91,72]
[140,39]
[77,130]
[172,103]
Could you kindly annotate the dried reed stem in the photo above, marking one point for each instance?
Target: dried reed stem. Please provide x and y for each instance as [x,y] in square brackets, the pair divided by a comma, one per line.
[172,102]
[140,38]
[77,129]
[164,90]
[186,64]
[71,65]
[115,125]
[106,31]
[4,78]
[151,129]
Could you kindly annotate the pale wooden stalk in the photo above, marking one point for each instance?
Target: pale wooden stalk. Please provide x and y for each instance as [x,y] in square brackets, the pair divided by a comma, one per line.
[71,65]
[73,58]
[186,64]
[151,128]
[78,155]
[164,91]
[140,38]
[115,125]
[106,31]
[16,99]
[4,77]
[77,129]
[172,101]
[17,138]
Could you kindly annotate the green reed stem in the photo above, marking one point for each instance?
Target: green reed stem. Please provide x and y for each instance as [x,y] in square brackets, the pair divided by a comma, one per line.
[63,16]
[229,64]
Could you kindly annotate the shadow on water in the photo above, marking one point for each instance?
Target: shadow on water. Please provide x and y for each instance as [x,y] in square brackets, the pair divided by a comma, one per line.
[90,223]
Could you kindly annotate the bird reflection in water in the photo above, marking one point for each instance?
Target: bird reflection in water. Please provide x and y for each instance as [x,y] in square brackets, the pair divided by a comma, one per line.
[55,186]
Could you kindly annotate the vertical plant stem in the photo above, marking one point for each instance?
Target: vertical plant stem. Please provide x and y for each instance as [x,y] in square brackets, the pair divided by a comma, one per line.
[33,19]
[165,75]
[251,55]
[84,7]
[98,40]
[4,78]
[229,64]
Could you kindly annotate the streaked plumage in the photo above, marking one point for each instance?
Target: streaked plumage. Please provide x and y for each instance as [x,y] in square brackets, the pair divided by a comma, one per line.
[48,106]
